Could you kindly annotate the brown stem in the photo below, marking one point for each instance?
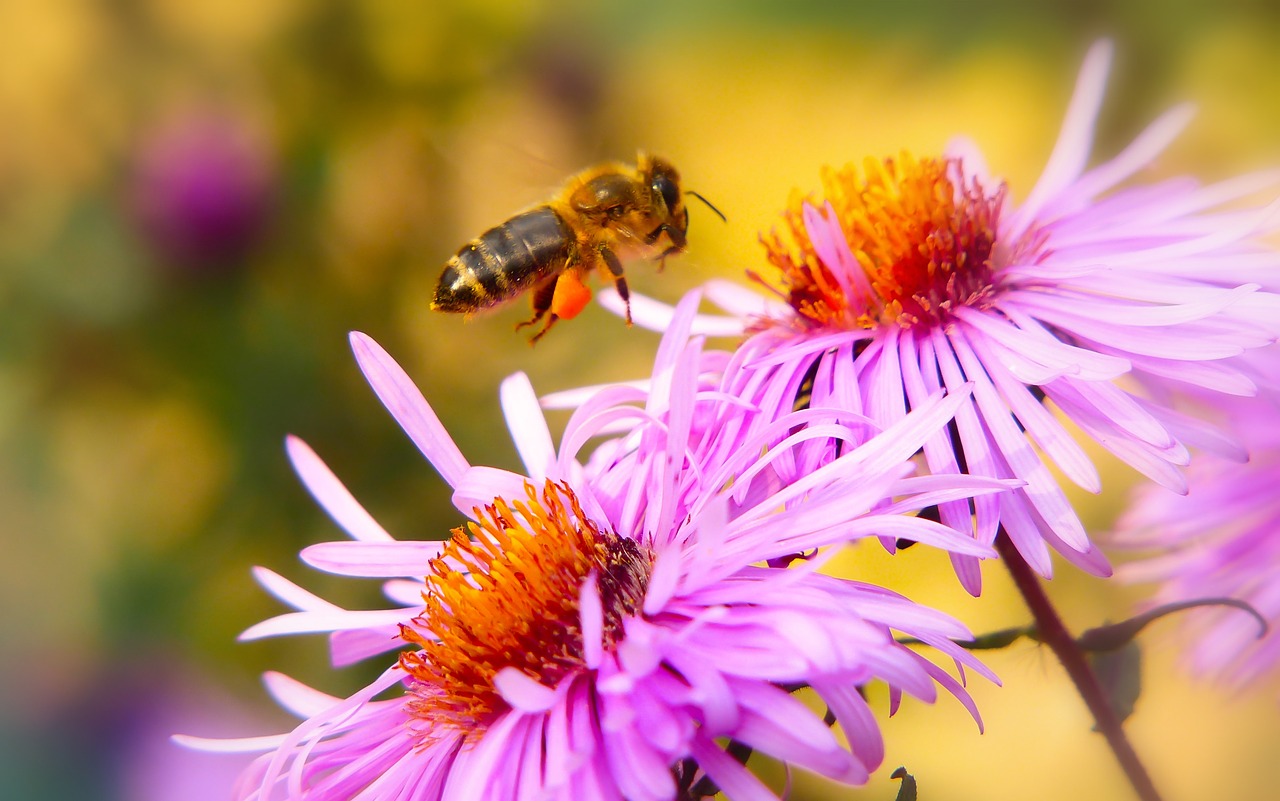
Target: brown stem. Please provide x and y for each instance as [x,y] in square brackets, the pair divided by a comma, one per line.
[1053,632]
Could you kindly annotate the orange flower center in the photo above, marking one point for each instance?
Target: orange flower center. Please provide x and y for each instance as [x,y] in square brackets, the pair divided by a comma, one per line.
[920,233]
[507,596]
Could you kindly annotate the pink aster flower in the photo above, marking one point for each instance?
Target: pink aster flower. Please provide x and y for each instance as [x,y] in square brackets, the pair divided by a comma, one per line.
[914,274]
[599,631]
[1219,541]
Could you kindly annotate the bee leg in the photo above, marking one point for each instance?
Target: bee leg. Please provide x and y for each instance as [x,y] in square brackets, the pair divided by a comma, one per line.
[542,296]
[678,239]
[662,257]
[619,281]
[551,320]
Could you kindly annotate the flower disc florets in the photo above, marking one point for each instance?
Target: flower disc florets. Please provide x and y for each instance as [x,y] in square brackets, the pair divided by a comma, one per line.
[920,232]
[505,591]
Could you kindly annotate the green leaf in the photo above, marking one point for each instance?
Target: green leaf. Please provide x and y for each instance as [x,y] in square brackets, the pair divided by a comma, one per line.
[1119,671]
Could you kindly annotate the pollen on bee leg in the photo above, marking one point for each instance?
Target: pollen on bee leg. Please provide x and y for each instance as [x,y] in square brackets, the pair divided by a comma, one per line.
[571,295]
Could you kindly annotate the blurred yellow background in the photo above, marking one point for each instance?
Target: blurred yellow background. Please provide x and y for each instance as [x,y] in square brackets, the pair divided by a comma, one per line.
[199,199]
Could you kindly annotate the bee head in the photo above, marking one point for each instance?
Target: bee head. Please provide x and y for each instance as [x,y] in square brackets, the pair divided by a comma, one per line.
[664,183]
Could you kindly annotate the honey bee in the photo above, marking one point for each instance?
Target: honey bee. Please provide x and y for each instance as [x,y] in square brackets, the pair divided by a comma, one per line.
[602,217]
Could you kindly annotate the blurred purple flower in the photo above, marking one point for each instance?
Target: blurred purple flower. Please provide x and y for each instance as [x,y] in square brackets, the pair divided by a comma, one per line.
[1222,540]
[204,190]
[67,737]
[598,631]
[152,768]
[915,274]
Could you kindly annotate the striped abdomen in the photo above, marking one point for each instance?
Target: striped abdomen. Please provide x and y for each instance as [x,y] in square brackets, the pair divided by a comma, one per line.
[504,261]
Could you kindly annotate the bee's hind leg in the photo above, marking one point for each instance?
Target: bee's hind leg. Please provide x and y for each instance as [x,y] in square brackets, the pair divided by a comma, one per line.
[551,320]
[542,295]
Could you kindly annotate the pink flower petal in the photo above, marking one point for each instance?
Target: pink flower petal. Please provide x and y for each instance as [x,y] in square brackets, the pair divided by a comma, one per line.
[591,616]
[373,560]
[732,778]
[1141,152]
[291,593]
[523,693]
[1072,149]
[528,427]
[297,697]
[329,492]
[406,404]
[238,745]
[315,622]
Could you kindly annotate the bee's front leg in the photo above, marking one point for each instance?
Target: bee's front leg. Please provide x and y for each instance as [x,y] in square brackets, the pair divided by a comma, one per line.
[662,257]
[619,281]
[678,239]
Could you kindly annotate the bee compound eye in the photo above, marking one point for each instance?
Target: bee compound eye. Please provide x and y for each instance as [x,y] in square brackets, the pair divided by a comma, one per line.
[665,187]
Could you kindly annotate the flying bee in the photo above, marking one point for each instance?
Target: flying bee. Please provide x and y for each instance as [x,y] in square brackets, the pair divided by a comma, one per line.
[602,217]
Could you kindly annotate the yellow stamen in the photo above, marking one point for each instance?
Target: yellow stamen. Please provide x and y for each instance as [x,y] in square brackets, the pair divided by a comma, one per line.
[507,596]
[922,234]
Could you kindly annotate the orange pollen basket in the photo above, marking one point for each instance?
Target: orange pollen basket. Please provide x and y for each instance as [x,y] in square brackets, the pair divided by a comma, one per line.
[922,233]
[504,592]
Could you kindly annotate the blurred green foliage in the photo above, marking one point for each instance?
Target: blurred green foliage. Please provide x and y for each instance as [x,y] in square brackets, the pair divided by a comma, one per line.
[146,387]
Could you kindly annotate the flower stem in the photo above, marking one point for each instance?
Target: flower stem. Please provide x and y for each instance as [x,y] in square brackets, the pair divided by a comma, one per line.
[1054,633]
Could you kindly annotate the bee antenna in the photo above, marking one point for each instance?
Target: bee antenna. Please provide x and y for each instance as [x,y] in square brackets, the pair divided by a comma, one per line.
[708,204]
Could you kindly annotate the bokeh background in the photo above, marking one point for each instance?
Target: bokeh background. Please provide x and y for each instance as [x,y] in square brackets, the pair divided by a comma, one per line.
[199,199]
